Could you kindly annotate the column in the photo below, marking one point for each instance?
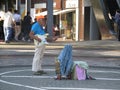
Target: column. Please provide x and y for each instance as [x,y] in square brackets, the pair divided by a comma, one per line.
[28,5]
[6,5]
[50,17]
[18,2]
[81,20]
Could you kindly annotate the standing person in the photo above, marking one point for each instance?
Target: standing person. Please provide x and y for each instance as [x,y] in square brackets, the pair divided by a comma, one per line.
[27,22]
[17,18]
[8,25]
[117,16]
[1,30]
[56,30]
[35,20]
[117,20]
[37,29]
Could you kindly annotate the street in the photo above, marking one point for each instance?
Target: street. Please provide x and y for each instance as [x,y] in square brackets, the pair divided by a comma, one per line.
[90,27]
[22,78]
[103,61]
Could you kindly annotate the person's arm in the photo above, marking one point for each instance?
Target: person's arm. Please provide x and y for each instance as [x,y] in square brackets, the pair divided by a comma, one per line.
[32,36]
[13,21]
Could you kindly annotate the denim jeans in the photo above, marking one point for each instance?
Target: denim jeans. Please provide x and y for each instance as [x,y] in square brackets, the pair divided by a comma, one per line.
[8,32]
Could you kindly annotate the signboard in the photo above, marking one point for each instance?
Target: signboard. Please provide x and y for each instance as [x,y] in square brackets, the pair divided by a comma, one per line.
[40,5]
[71,3]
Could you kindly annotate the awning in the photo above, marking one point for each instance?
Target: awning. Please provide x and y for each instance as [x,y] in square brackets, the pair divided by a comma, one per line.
[56,12]
[45,13]
[64,11]
[41,13]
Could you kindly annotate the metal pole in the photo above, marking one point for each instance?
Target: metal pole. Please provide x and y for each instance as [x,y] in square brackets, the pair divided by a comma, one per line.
[50,17]
[18,2]
[6,6]
[27,5]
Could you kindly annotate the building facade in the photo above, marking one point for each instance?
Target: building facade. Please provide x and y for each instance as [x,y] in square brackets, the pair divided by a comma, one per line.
[78,20]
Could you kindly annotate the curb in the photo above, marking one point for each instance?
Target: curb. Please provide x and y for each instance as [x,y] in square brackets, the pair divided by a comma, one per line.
[74,55]
[90,66]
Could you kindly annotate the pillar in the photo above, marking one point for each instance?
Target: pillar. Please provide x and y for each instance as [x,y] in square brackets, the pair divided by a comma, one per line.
[18,2]
[81,20]
[6,5]
[50,17]
[28,5]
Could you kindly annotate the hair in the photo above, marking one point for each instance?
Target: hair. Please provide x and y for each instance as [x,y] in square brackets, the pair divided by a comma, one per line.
[10,9]
[15,11]
[28,13]
[118,10]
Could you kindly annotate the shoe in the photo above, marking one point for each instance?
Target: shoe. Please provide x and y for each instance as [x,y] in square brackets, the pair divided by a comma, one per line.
[16,40]
[7,42]
[69,77]
[23,39]
[40,72]
[28,40]
[58,77]
[90,78]
[37,73]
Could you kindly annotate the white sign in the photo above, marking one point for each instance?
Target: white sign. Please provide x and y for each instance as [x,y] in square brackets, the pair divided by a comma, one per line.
[41,5]
[71,3]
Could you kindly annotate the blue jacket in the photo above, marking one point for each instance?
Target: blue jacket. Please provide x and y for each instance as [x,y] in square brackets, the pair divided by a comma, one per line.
[65,59]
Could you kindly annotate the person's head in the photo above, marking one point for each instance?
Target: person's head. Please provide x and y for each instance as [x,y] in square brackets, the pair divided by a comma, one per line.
[41,20]
[118,11]
[15,11]
[28,13]
[10,9]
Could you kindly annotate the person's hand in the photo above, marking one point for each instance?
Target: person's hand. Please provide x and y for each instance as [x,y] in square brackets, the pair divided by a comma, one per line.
[38,39]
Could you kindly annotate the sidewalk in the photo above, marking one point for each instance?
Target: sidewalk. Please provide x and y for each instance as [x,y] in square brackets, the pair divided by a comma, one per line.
[98,53]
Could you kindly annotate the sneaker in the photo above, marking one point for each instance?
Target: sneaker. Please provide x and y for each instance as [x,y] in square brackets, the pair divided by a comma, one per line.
[37,73]
[23,39]
[90,78]
[28,40]
[40,72]
[7,41]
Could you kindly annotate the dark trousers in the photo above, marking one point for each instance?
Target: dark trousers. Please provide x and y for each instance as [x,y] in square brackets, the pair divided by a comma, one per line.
[26,31]
[118,32]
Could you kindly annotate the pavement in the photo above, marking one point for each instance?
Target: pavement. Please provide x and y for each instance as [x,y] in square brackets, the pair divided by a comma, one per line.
[97,53]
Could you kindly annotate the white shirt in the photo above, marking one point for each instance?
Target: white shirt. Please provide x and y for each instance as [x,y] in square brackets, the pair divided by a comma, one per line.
[8,19]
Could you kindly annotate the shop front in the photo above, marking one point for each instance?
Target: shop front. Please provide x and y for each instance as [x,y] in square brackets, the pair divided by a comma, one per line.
[67,19]
[66,23]
[64,17]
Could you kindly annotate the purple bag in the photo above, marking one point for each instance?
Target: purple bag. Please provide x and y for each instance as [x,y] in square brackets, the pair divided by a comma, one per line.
[80,73]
